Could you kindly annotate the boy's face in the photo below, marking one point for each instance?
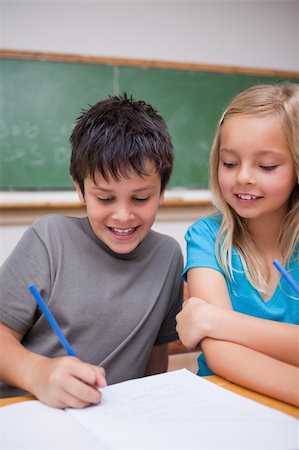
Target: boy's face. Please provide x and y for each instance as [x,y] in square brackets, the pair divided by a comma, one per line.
[121,213]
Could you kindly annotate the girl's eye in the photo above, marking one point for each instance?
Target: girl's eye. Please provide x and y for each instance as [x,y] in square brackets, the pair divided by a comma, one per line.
[229,165]
[269,168]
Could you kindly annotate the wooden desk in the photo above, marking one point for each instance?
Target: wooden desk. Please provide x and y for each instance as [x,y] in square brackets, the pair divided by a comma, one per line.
[268,401]
[260,398]
[12,400]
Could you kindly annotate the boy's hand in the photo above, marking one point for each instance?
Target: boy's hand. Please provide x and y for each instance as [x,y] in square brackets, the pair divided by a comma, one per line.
[67,382]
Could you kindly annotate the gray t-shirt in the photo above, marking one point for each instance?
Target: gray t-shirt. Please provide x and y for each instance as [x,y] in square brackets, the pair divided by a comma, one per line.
[113,308]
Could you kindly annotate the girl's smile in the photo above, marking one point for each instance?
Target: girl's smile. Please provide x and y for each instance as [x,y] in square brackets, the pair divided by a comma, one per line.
[247,199]
[256,171]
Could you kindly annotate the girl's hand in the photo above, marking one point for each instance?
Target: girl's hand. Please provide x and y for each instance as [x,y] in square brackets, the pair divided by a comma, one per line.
[192,321]
[66,382]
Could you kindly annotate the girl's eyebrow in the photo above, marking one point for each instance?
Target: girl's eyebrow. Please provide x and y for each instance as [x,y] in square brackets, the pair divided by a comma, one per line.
[260,152]
[227,151]
[269,152]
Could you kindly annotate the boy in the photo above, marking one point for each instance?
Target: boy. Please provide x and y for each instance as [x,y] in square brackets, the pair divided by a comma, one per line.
[113,284]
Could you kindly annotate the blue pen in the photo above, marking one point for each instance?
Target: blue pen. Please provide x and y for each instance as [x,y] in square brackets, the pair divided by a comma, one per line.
[51,319]
[287,276]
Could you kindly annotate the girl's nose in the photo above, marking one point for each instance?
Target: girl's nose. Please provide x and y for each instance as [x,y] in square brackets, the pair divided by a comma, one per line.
[245,175]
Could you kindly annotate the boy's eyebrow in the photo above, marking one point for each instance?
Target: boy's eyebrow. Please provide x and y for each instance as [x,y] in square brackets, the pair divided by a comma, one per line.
[98,188]
[142,189]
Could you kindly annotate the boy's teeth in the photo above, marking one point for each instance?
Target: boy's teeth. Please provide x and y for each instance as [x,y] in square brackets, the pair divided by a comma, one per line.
[247,197]
[122,231]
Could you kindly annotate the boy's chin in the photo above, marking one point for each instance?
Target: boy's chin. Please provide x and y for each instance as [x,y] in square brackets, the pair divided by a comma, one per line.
[123,244]
[123,249]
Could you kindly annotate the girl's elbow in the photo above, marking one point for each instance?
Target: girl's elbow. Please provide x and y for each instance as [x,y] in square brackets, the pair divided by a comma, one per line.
[213,355]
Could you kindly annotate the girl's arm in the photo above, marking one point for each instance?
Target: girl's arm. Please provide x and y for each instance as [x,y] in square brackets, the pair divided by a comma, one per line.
[199,319]
[210,285]
[252,369]
[259,354]
[215,318]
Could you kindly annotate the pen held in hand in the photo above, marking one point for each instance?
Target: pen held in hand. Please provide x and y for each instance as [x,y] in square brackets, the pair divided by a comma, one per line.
[286,275]
[51,319]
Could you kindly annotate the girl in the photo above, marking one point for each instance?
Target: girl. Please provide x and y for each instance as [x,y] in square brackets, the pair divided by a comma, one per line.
[244,316]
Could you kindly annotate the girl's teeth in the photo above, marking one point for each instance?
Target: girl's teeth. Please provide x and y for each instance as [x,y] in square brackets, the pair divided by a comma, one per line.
[246,197]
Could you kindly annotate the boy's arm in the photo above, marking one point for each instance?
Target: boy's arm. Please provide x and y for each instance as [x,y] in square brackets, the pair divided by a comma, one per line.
[252,369]
[14,359]
[59,382]
[158,360]
[215,318]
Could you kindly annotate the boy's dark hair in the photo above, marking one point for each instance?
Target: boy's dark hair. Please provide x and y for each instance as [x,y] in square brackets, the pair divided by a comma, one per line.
[119,134]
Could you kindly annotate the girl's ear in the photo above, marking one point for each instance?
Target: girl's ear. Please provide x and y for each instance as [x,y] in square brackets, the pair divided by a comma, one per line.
[79,192]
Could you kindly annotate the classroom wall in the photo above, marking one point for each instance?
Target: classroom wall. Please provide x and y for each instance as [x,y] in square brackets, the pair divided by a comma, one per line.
[259,34]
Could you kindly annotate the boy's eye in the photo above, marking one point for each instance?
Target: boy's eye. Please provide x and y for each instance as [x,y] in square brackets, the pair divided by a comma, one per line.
[105,199]
[140,199]
[269,167]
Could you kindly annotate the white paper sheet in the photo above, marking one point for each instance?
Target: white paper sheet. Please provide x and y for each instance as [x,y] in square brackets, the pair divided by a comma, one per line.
[172,411]
[32,425]
[180,410]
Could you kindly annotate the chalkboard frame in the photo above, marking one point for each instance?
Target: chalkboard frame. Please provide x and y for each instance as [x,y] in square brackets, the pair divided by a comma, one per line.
[121,64]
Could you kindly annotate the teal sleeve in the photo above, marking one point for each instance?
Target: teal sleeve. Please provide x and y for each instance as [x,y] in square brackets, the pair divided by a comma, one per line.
[200,238]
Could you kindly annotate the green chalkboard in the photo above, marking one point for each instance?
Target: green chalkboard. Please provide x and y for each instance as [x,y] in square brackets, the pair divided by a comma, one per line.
[41,99]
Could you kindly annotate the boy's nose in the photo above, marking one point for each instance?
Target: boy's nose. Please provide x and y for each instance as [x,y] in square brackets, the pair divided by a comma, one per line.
[122,214]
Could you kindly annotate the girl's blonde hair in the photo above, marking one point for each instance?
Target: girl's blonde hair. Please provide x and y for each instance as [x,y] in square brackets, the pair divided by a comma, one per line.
[283,101]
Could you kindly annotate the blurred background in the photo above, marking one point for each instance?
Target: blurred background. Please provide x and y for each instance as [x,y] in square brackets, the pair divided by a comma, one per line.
[247,35]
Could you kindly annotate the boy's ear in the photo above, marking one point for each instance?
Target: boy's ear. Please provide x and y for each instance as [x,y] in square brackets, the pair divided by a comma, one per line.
[79,192]
[161,199]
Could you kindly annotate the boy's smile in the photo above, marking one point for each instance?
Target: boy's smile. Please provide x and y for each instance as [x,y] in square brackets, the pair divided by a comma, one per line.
[122,212]
[123,232]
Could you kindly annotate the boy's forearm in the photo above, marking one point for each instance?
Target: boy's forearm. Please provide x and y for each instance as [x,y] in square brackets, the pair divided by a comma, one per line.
[253,370]
[275,339]
[16,363]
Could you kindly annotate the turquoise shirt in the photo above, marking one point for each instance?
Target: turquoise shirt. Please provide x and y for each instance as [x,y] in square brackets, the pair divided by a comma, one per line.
[283,306]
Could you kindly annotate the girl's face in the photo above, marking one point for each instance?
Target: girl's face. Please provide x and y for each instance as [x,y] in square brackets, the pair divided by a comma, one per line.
[256,171]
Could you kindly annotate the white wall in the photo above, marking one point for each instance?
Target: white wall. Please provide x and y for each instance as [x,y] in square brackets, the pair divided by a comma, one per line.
[260,34]
[9,236]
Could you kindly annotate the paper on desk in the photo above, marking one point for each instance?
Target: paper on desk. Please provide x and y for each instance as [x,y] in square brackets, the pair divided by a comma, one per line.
[32,425]
[176,410]
[179,410]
